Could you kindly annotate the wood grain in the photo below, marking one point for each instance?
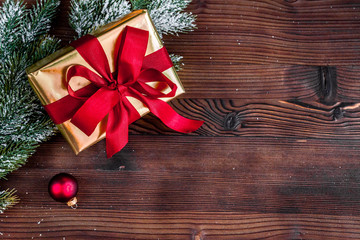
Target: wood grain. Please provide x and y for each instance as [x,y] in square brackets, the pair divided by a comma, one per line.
[179,225]
[260,188]
[348,83]
[251,81]
[166,173]
[298,32]
[295,119]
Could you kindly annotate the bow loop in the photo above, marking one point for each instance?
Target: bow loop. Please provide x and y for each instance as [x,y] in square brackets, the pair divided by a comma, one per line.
[97,58]
[130,50]
[162,83]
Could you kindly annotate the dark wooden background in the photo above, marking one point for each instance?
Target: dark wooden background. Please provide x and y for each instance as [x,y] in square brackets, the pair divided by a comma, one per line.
[278,84]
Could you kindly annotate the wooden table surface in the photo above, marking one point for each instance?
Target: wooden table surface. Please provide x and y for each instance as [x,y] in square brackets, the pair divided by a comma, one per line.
[278,84]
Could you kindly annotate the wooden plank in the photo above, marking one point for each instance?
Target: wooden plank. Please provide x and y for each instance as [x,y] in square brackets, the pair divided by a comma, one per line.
[296,32]
[295,119]
[250,81]
[102,224]
[202,154]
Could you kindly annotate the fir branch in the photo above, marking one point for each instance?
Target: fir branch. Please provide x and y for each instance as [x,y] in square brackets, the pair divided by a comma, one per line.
[14,155]
[88,15]
[11,17]
[177,61]
[24,124]
[43,47]
[7,199]
[168,16]
[139,4]
[38,19]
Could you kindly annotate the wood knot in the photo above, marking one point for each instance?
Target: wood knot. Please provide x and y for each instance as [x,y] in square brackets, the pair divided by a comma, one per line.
[328,84]
[232,121]
[338,113]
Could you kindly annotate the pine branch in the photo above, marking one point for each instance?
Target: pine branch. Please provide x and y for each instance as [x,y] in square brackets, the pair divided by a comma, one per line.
[24,123]
[176,59]
[14,155]
[38,19]
[11,17]
[7,199]
[168,16]
[88,15]
[139,4]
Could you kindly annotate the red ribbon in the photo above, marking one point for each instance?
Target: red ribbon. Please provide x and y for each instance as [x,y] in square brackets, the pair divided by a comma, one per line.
[106,95]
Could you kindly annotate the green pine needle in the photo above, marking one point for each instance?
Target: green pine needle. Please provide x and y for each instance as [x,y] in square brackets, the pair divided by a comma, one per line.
[24,124]
[177,61]
[140,4]
[88,15]
[169,16]
[8,199]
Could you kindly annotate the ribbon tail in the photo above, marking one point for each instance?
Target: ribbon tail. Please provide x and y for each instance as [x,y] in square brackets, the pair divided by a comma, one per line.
[169,117]
[133,114]
[117,130]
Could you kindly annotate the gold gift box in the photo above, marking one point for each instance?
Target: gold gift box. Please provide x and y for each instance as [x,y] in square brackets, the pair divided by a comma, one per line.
[47,77]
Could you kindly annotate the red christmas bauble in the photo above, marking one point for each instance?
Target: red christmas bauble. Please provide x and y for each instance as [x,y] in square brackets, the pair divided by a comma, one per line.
[63,188]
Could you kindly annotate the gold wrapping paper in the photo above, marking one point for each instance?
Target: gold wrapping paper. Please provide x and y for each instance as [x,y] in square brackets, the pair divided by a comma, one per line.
[47,76]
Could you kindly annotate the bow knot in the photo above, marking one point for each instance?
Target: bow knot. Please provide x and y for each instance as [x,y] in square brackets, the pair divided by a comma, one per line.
[121,89]
[112,85]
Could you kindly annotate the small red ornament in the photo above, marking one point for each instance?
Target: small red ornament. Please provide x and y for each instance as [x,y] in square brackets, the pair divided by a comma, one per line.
[63,188]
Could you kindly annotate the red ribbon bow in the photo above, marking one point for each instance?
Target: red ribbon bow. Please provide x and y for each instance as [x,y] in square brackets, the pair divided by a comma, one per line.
[107,94]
